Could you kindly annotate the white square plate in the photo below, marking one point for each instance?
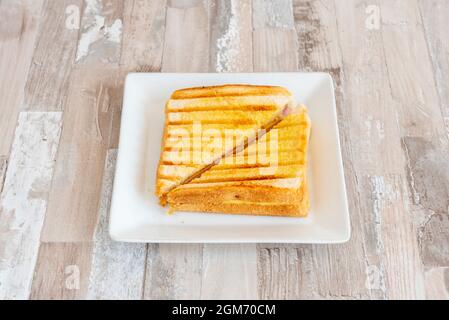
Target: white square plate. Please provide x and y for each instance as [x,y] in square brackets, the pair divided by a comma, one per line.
[135,213]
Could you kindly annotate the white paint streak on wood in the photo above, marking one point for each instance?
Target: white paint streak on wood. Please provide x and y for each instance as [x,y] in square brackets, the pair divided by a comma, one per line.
[118,269]
[229,272]
[313,271]
[371,96]
[227,44]
[437,282]
[275,40]
[24,200]
[231,36]
[101,32]
[273,14]
[174,271]
[382,195]
[231,51]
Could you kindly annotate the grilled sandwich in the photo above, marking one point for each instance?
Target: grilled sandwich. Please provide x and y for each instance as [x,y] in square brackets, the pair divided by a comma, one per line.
[249,158]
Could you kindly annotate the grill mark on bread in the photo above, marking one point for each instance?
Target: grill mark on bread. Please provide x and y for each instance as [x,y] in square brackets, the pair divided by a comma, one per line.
[243,166]
[230,121]
[231,126]
[208,148]
[243,179]
[228,90]
[230,108]
[174,137]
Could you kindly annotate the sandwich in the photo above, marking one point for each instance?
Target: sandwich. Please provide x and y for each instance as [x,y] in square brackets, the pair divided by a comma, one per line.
[235,149]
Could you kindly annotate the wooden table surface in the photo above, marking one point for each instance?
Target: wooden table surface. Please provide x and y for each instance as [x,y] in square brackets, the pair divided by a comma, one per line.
[62,68]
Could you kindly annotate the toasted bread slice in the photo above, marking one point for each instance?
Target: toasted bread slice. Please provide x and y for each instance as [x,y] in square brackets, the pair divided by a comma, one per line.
[277,187]
[190,113]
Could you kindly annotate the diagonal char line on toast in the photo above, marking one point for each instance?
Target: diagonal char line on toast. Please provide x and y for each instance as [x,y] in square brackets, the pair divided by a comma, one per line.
[261,132]
[241,191]
[228,97]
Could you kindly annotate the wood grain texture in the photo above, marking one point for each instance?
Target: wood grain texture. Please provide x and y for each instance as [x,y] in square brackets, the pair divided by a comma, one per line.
[434,235]
[3,166]
[62,271]
[231,47]
[422,126]
[173,271]
[317,268]
[275,42]
[231,36]
[143,35]
[23,200]
[229,272]
[53,58]
[273,14]
[376,201]
[186,37]
[18,30]
[437,284]
[95,96]
[118,269]
[389,63]
[100,33]
[378,164]
[434,15]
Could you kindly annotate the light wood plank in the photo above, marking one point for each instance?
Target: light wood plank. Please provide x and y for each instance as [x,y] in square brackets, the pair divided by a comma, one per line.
[186,36]
[143,35]
[388,233]
[434,15]
[62,271]
[288,272]
[277,45]
[231,36]
[230,51]
[118,269]
[374,203]
[292,272]
[24,200]
[18,29]
[94,98]
[101,33]
[422,126]
[53,58]
[173,272]
[437,284]
[410,70]
[229,272]
[275,41]
[273,14]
